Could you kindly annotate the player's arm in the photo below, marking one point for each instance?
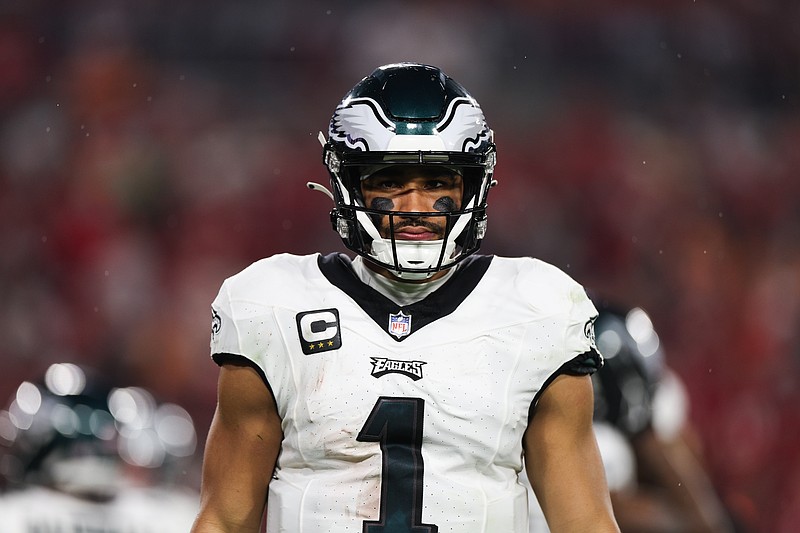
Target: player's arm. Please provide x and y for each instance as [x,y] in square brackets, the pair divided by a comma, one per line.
[240,455]
[672,468]
[563,462]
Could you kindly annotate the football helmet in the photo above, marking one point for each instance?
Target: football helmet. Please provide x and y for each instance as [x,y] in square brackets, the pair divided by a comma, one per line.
[634,363]
[75,433]
[408,114]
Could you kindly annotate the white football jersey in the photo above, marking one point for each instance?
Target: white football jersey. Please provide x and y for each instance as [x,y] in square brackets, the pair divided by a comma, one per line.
[134,510]
[402,419]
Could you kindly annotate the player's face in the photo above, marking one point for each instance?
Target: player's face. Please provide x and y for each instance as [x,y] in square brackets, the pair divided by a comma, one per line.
[417,188]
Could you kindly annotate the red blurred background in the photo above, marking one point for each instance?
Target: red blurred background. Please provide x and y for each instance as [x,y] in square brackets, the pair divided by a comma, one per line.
[150,149]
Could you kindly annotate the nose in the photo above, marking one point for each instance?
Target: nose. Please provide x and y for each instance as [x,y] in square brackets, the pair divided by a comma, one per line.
[415,201]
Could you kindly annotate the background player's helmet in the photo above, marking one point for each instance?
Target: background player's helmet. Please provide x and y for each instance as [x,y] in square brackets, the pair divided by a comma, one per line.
[625,387]
[75,433]
[409,114]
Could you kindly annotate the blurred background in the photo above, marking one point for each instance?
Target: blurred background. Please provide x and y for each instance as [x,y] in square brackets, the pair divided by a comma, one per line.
[150,149]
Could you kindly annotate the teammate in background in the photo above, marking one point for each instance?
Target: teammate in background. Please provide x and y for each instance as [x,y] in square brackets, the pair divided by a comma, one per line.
[655,473]
[665,488]
[79,455]
[398,392]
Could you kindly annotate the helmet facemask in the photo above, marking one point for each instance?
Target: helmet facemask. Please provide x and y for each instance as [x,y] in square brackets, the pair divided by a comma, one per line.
[371,230]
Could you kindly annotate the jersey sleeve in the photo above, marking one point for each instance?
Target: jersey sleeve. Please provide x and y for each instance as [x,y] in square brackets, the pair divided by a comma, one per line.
[246,326]
[240,326]
[580,339]
[568,315]
[225,338]
[579,351]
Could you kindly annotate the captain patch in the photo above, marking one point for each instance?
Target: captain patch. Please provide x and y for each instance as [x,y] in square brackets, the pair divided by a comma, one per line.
[319,330]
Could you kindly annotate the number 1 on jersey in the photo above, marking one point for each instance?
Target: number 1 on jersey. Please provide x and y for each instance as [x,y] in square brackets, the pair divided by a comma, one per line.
[396,423]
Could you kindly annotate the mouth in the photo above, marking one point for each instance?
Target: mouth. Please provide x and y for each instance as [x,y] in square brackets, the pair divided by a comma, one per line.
[413,229]
[417,233]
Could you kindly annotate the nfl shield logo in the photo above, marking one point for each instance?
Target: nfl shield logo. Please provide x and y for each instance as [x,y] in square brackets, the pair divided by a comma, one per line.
[399,324]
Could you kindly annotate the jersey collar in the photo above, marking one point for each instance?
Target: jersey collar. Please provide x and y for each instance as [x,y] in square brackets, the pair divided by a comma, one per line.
[337,269]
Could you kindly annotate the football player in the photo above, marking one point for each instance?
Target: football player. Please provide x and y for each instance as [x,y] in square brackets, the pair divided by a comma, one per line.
[656,476]
[665,487]
[79,455]
[398,391]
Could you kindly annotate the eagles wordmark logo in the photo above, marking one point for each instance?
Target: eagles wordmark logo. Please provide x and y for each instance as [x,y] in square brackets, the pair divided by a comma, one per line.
[382,366]
[319,330]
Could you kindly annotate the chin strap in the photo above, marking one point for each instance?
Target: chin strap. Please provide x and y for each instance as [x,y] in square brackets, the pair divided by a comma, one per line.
[411,254]
[316,186]
[321,188]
